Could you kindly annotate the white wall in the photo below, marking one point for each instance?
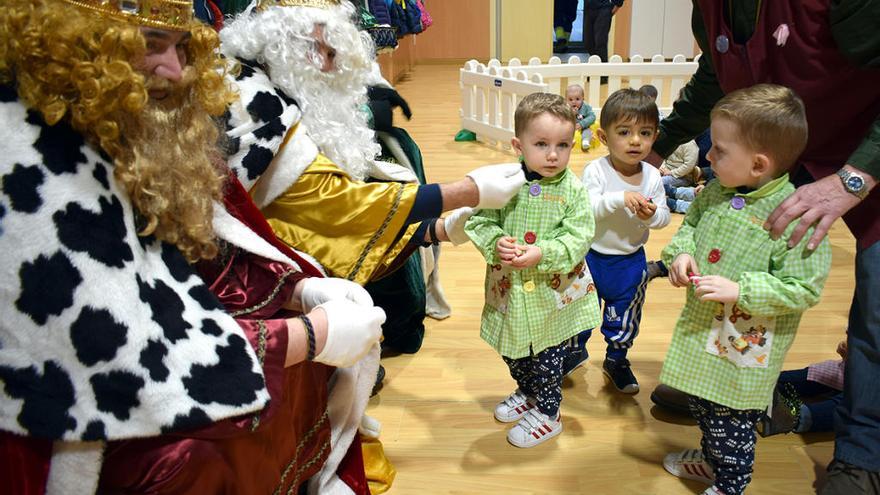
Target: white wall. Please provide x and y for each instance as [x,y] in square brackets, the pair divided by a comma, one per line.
[661,27]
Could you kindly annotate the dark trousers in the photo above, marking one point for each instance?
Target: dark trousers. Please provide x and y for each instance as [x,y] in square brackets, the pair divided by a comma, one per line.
[597,25]
[728,442]
[564,14]
[540,376]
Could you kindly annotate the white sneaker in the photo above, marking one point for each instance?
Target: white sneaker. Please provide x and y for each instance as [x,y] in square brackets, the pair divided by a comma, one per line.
[689,464]
[513,407]
[712,491]
[535,427]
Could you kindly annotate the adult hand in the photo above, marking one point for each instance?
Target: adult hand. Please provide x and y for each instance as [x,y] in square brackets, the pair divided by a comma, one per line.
[454,224]
[317,290]
[352,329]
[683,267]
[506,249]
[529,256]
[819,203]
[614,10]
[716,288]
[497,184]
[841,349]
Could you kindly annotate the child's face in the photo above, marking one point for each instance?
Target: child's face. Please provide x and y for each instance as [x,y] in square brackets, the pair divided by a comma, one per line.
[732,160]
[628,141]
[574,98]
[545,144]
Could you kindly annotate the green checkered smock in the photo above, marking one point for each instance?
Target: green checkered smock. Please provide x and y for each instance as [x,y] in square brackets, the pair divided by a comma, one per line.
[531,309]
[775,282]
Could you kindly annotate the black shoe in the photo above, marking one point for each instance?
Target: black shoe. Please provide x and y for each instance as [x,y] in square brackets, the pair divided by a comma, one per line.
[846,479]
[380,376]
[656,269]
[620,375]
[671,399]
[786,412]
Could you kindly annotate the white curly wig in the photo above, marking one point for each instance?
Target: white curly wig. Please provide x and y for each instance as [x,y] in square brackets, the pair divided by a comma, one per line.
[282,40]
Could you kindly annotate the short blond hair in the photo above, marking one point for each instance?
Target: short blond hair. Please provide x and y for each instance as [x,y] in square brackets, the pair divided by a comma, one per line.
[771,119]
[537,104]
[574,87]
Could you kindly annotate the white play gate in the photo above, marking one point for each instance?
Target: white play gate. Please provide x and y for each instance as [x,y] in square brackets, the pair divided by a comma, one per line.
[490,93]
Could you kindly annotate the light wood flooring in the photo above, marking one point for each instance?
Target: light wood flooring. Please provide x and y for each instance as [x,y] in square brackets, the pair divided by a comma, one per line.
[436,405]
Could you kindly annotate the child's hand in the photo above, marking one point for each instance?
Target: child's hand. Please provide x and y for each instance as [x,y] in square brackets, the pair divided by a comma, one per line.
[506,249]
[663,170]
[716,288]
[634,201]
[578,127]
[699,188]
[646,211]
[681,270]
[529,256]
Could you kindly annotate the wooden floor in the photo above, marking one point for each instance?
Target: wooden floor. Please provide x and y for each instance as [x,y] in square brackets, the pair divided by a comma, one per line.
[436,405]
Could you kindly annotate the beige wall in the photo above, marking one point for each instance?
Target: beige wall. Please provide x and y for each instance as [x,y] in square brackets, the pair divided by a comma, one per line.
[526,29]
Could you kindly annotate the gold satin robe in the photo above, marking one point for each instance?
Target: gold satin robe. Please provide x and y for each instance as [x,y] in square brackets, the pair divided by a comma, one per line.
[351,227]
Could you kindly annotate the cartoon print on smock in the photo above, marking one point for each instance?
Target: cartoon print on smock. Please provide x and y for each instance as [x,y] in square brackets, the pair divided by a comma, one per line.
[741,338]
[572,286]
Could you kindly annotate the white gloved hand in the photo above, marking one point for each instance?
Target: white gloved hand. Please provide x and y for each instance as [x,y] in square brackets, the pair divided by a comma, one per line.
[454,224]
[497,184]
[317,290]
[352,329]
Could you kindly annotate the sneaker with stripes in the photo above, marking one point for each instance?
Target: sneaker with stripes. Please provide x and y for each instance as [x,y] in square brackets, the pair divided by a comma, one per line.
[513,407]
[535,427]
[689,464]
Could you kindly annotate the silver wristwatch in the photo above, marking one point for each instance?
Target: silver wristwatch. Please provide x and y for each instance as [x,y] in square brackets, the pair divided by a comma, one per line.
[853,183]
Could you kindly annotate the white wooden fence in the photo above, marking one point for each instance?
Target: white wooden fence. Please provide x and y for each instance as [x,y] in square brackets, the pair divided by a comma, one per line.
[490,92]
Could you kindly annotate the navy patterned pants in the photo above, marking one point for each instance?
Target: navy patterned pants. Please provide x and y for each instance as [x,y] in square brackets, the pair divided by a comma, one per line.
[540,376]
[728,442]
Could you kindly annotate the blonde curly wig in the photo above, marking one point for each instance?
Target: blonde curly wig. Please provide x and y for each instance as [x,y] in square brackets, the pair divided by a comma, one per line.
[69,64]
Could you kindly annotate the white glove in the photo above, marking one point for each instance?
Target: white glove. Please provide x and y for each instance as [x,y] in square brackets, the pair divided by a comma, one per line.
[352,329]
[497,184]
[318,290]
[454,224]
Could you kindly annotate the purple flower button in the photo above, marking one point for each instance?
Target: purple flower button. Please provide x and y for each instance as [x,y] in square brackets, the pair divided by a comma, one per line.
[738,202]
[535,189]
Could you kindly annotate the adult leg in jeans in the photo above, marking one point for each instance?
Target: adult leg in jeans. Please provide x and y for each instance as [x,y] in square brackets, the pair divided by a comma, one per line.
[858,417]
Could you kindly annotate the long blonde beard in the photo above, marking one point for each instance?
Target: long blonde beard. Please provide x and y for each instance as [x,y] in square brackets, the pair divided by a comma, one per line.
[171,169]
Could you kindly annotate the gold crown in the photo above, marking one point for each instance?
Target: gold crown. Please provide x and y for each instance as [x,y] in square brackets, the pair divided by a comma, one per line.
[321,4]
[176,15]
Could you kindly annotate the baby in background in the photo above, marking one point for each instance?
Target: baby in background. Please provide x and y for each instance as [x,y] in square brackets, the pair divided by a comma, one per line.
[574,95]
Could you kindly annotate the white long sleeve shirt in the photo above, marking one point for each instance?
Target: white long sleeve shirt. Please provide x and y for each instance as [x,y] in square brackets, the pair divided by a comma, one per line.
[619,230]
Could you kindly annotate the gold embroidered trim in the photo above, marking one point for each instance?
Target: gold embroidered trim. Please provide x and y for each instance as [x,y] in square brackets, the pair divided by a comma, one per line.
[176,15]
[319,4]
[314,460]
[308,436]
[377,235]
[262,338]
[269,299]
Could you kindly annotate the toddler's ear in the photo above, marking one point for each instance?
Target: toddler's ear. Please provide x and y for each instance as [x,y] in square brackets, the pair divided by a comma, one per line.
[603,138]
[517,144]
[761,165]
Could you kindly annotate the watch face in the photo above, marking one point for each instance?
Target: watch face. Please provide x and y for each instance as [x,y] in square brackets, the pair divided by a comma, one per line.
[855,183]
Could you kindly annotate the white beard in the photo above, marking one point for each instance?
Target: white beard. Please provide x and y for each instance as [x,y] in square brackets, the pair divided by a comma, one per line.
[335,121]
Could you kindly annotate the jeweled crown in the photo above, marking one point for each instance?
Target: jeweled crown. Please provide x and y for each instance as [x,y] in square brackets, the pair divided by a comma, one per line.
[321,4]
[176,15]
